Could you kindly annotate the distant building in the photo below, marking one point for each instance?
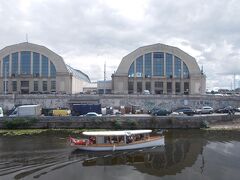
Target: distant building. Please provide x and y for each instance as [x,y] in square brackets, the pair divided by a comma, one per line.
[90,89]
[31,68]
[161,69]
[104,86]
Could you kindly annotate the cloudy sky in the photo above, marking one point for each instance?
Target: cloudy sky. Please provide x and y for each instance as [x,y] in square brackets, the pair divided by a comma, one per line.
[87,33]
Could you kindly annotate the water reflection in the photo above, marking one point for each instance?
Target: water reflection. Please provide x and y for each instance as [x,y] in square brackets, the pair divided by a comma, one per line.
[170,159]
[190,152]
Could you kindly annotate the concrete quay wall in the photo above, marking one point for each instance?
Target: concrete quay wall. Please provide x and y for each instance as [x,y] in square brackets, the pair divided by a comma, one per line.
[145,102]
[128,122]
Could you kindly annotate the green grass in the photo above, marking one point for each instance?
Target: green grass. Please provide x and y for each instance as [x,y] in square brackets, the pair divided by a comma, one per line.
[31,132]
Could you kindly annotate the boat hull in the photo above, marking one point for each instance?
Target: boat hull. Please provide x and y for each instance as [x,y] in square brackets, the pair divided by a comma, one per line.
[115,147]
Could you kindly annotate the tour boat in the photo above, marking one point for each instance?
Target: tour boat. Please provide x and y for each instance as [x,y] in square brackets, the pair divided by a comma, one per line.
[116,140]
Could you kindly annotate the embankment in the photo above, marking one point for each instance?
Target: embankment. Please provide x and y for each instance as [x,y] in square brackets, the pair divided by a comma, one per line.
[122,122]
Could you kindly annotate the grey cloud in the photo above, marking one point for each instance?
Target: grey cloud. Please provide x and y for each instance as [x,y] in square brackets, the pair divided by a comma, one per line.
[92,28]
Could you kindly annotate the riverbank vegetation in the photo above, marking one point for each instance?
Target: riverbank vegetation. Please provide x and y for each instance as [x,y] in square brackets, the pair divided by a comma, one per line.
[31,132]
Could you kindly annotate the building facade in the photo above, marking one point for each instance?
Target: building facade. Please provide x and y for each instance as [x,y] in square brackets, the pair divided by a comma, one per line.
[161,69]
[30,68]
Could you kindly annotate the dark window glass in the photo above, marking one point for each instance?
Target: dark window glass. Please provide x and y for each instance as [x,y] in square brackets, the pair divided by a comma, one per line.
[53,85]
[177,87]
[169,65]
[177,67]
[130,87]
[24,83]
[186,87]
[14,64]
[44,66]
[36,64]
[139,66]
[44,85]
[25,62]
[35,85]
[169,87]
[158,87]
[185,71]
[53,70]
[14,86]
[158,64]
[148,65]
[131,70]
[148,86]
[6,66]
[139,87]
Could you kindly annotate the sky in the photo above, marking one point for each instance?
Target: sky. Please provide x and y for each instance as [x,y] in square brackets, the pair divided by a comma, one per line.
[89,33]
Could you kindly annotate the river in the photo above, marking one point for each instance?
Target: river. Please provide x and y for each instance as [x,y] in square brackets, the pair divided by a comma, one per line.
[187,154]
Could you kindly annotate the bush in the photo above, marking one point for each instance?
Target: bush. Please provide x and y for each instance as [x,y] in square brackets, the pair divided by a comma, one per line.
[19,123]
[117,124]
[132,124]
[204,124]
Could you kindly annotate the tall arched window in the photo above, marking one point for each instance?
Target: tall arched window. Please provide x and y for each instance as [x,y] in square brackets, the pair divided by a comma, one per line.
[52,70]
[148,65]
[25,63]
[44,66]
[158,64]
[139,66]
[5,66]
[177,67]
[185,71]
[131,70]
[36,64]
[169,65]
[14,64]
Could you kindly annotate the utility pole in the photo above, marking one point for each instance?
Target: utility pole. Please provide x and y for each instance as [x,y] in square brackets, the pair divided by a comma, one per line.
[104,90]
[234,81]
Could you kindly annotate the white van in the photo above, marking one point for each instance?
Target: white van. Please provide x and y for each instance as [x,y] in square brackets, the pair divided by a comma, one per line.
[1,112]
[27,110]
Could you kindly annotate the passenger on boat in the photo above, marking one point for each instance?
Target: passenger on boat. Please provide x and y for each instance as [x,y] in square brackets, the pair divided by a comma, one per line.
[92,140]
[129,139]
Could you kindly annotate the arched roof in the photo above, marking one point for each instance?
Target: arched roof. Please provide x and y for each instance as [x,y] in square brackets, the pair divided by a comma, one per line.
[26,46]
[78,74]
[60,66]
[186,58]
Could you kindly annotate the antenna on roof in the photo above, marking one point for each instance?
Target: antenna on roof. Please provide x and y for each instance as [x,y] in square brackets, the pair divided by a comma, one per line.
[27,37]
[202,69]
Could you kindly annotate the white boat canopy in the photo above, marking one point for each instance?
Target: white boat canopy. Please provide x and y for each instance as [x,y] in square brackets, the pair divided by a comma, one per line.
[116,133]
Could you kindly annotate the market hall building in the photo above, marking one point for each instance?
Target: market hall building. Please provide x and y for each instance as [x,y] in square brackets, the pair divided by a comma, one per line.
[31,68]
[161,69]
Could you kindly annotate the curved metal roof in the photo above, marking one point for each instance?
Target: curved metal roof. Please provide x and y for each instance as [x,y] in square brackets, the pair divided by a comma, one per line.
[186,58]
[78,74]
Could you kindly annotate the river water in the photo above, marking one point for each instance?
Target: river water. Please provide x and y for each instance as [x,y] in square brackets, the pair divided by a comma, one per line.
[187,154]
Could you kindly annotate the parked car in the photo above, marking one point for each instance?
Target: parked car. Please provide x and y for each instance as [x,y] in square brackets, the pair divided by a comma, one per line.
[205,110]
[185,110]
[237,109]
[153,110]
[93,114]
[227,109]
[161,112]
[146,92]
